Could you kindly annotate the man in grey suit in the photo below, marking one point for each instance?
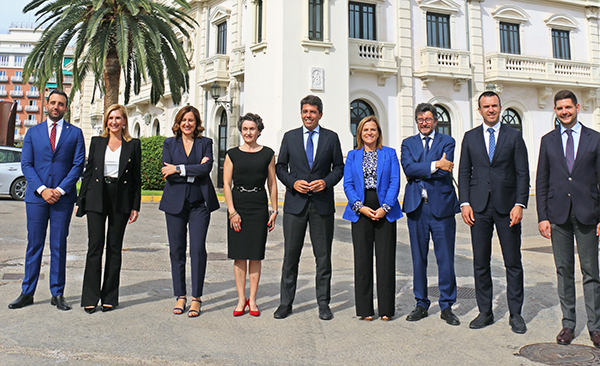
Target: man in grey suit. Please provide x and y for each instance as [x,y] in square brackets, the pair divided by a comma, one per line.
[567,196]
[310,164]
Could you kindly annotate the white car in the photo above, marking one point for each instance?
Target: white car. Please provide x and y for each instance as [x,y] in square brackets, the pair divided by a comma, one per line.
[12,180]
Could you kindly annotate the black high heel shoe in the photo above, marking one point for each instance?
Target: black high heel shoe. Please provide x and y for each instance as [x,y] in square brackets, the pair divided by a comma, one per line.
[90,309]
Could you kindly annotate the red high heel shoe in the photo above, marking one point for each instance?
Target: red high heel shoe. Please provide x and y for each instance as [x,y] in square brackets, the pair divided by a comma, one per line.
[253,312]
[241,312]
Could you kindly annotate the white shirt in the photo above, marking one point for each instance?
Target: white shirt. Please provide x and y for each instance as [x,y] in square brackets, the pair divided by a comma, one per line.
[59,126]
[576,135]
[111,162]
[431,136]
[315,138]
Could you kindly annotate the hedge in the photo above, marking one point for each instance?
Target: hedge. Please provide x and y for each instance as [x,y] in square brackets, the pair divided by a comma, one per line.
[152,163]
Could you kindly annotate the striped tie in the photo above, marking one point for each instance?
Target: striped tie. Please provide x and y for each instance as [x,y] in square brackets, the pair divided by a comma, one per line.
[492,143]
[570,151]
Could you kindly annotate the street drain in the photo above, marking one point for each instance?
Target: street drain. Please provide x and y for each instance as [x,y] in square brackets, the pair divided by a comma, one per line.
[217,256]
[461,292]
[555,354]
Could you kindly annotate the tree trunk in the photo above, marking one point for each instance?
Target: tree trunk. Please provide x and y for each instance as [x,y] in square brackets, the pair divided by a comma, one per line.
[112,79]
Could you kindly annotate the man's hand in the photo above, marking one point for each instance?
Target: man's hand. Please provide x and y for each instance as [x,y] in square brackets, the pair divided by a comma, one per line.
[51,195]
[444,164]
[467,215]
[546,230]
[598,230]
[301,186]
[516,215]
[317,185]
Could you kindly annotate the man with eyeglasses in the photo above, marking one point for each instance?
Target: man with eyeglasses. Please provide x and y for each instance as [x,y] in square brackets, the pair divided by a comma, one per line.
[430,205]
[493,183]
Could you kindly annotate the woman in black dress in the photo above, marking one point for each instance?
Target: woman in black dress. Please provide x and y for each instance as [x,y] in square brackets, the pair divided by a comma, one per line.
[248,167]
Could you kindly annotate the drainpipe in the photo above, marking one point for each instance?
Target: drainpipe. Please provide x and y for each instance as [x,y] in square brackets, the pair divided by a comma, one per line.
[470,81]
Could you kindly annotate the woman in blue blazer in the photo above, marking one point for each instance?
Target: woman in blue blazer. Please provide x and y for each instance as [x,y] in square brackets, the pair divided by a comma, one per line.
[188,199]
[372,184]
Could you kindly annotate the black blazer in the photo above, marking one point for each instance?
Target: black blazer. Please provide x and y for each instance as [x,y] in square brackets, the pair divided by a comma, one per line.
[129,183]
[504,181]
[174,194]
[557,190]
[292,165]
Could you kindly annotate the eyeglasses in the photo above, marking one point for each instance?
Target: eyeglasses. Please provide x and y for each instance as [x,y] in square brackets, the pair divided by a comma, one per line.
[425,120]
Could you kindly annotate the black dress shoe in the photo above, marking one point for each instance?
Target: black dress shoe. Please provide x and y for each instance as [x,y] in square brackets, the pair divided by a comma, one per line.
[417,314]
[282,312]
[482,321]
[449,317]
[60,303]
[565,337]
[517,324]
[21,301]
[325,313]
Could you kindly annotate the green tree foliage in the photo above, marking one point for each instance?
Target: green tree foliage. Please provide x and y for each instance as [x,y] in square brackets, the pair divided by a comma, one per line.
[138,38]
[152,163]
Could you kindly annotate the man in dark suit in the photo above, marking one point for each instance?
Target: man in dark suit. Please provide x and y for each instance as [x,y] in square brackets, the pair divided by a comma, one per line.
[310,164]
[567,196]
[52,160]
[493,190]
[430,204]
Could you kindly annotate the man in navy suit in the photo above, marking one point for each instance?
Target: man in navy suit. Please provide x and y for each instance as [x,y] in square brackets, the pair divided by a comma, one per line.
[310,164]
[493,189]
[52,160]
[567,196]
[430,204]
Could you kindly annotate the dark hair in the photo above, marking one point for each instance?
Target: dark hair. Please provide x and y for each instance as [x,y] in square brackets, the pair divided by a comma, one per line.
[312,100]
[359,141]
[565,94]
[176,126]
[488,94]
[426,107]
[59,92]
[253,118]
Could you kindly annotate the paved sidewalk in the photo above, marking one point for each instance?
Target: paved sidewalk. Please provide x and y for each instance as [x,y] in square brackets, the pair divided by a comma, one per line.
[143,331]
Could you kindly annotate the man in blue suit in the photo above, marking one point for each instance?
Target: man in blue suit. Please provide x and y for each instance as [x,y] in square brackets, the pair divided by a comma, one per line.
[430,204]
[52,160]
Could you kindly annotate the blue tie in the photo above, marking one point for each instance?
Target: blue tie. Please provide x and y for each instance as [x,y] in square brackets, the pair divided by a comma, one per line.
[310,148]
[426,138]
[492,143]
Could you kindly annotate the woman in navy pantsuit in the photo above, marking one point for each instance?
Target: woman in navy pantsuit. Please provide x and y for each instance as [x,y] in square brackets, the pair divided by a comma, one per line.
[188,199]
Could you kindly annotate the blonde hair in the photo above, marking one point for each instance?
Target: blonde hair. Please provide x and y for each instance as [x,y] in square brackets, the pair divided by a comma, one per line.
[117,107]
[359,141]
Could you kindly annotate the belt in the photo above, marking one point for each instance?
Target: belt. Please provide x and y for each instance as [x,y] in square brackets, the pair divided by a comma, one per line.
[109,180]
[255,189]
[425,200]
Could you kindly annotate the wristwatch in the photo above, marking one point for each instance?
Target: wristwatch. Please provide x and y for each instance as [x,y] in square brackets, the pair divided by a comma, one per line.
[178,169]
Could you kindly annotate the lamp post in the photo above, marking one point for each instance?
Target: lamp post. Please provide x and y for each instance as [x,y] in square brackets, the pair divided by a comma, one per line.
[215,93]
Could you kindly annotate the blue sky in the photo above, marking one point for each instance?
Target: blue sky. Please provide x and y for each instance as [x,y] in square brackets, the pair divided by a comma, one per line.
[12,11]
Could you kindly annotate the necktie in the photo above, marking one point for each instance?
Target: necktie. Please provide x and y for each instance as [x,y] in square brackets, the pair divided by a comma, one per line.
[426,138]
[310,148]
[570,153]
[492,143]
[53,136]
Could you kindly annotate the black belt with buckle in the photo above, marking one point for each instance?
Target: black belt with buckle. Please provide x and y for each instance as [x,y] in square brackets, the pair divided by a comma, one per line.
[255,189]
[425,200]
[109,180]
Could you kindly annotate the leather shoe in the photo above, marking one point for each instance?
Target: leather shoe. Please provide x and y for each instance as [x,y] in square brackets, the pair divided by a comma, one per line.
[449,317]
[60,303]
[325,313]
[282,312]
[417,314]
[517,324]
[595,337]
[482,321]
[565,337]
[21,301]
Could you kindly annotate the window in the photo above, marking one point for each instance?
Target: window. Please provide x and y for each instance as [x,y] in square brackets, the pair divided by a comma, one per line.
[509,38]
[8,156]
[2,87]
[17,88]
[222,38]
[443,124]
[32,102]
[438,30]
[156,128]
[33,89]
[315,20]
[362,21]
[561,44]
[19,73]
[2,72]
[3,60]
[511,118]
[31,117]
[259,21]
[222,148]
[359,109]
[20,60]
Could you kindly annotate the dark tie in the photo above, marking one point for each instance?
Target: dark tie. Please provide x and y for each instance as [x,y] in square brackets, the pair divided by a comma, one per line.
[426,138]
[310,148]
[492,143]
[570,151]
[53,136]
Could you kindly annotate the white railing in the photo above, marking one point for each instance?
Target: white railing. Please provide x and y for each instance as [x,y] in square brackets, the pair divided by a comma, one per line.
[32,93]
[18,123]
[16,93]
[215,68]
[3,78]
[68,79]
[16,79]
[32,108]
[19,108]
[3,93]
[30,122]
[372,56]
[442,62]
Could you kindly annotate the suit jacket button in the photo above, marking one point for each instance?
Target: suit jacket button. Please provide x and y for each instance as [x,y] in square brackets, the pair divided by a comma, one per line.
[570,178]
[96,179]
[569,194]
[125,182]
[126,170]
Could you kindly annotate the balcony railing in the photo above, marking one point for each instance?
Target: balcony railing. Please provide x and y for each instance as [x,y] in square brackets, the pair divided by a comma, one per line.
[444,63]
[18,123]
[68,79]
[16,93]
[19,108]
[541,71]
[30,122]
[372,57]
[3,93]
[237,63]
[32,93]
[3,78]
[213,69]
[32,108]
[16,78]
[52,80]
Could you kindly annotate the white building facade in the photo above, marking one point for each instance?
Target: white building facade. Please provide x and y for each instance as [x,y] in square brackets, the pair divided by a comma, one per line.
[379,57]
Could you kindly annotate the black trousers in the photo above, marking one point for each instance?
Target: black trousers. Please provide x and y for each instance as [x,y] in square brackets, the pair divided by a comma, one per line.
[198,218]
[510,243]
[382,233]
[321,237]
[92,290]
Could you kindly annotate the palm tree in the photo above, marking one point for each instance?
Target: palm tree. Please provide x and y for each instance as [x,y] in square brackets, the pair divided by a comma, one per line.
[136,37]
